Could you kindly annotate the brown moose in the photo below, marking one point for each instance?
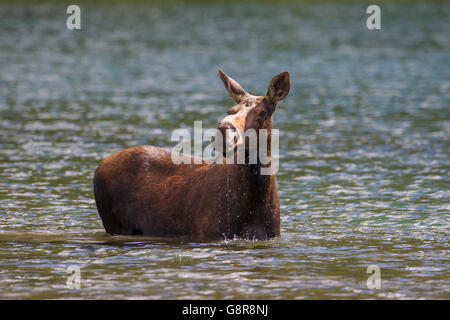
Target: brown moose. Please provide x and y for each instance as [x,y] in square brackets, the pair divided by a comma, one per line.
[141,191]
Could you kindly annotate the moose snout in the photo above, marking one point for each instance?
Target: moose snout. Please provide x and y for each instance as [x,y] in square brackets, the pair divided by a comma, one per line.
[224,126]
[227,137]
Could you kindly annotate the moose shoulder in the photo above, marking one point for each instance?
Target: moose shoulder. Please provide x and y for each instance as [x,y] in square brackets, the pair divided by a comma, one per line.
[141,191]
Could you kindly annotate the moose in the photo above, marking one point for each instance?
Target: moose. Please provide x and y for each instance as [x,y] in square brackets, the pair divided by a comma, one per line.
[141,191]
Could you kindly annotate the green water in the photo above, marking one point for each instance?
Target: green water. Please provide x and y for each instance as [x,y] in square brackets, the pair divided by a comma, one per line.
[364,145]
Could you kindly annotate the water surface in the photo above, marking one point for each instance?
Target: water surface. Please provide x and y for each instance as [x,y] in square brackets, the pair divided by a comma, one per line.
[364,138]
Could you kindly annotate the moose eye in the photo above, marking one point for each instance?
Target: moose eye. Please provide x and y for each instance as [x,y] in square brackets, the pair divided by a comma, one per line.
[262,114]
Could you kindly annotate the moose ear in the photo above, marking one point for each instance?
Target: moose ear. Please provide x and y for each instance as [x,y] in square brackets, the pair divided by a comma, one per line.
[234,89]
[279,87]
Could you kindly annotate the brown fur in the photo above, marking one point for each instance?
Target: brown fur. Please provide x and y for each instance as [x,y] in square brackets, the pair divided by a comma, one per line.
[140,191]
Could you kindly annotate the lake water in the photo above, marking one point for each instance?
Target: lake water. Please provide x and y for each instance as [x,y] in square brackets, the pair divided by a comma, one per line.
[364,145]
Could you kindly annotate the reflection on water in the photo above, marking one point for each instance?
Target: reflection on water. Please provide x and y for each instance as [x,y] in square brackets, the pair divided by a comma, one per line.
[364,145]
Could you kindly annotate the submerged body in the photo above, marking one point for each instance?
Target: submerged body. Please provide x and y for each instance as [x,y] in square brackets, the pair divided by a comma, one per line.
[141,191]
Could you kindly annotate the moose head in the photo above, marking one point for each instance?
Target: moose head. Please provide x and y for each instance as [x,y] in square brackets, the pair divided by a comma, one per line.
[250,113]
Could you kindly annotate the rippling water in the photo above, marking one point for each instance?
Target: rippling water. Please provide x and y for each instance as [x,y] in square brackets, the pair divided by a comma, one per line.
[364,138]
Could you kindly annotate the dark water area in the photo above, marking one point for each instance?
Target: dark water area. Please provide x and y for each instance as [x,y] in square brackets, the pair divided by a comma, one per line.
[364,145]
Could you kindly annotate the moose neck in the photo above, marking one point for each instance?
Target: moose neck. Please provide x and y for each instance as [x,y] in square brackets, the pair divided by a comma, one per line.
[262,160]
[261,182]
[260,202]
[249,210]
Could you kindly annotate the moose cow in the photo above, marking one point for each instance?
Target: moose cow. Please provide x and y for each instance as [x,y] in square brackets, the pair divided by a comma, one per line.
[141,191]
